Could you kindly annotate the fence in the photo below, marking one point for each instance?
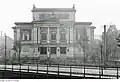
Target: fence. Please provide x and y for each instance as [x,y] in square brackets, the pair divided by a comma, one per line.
[70,70]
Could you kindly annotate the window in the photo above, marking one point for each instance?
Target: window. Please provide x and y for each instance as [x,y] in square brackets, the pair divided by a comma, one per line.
[63,36]
[43,50]
[38,49]
[53,50]
[62,50]
[25,37]
[53,36]
[25,34]
[43,36]
[53,31]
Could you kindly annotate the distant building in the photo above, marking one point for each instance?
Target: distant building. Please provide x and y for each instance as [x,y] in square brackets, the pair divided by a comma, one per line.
[9,45]
[112,30]
[53,32]
[99,37]
[111,35]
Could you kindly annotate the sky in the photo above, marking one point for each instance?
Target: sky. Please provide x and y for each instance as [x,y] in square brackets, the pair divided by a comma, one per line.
[99,12]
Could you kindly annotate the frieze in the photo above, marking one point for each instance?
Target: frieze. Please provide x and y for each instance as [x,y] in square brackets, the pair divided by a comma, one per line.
[49,25]
[37,25]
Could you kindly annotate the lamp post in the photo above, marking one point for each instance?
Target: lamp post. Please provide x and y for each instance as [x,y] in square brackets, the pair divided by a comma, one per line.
[101,54]
[105,42]
[101,59]
[33,55]
[19,51]
[49,55]
[84,50]
[5,49]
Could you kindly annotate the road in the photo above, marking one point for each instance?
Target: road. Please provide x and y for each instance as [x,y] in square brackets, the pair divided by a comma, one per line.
[79,69]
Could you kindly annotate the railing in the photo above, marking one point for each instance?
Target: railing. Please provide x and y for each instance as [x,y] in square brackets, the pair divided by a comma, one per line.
[70,70]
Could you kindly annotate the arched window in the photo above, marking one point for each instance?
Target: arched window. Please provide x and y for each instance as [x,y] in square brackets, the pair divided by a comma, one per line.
[53,36]
[25,34]
[25,37]
[43,36]
[53,33]
[63,35]
[43,32]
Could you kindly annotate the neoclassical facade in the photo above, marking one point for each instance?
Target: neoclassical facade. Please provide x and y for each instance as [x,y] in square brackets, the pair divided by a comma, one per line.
[52,32]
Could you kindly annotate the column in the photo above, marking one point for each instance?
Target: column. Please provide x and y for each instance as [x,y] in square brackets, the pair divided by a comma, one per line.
[32,37]
[15,34]
[39,35]
[58,35]
[67,34]
[18,34]
[27,36]
[72,39]
[71,34]
[48,35]
[48,48]
[88,33]
[35,35]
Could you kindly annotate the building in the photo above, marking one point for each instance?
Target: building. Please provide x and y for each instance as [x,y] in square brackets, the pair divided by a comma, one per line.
[112,51]
[9,45]
[53,32]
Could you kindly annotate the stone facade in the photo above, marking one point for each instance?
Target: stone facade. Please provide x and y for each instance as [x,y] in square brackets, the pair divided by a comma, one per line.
[53,32]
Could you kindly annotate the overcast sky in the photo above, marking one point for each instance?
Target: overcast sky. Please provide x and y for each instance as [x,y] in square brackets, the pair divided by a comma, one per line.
[99,12]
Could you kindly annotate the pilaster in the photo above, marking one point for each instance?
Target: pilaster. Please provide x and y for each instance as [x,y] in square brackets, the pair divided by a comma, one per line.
[18,34]
[58,34]
[35,35]
[48,35]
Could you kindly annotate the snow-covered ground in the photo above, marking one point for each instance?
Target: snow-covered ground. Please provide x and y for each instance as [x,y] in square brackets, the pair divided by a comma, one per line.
[89,70]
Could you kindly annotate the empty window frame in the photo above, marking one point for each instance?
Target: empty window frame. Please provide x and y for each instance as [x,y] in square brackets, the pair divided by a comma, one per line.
[43,50]
[53,50]
[62,50]
[43,36]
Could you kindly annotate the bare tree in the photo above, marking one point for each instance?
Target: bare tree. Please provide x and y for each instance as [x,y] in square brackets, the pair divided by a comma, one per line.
[83,43]
[17,48]
[111,47]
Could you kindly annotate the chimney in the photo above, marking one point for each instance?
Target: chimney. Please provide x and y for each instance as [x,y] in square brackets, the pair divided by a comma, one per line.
[34,6]
[73,6]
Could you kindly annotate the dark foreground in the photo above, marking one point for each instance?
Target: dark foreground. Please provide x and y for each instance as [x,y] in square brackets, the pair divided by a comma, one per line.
[30,75]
